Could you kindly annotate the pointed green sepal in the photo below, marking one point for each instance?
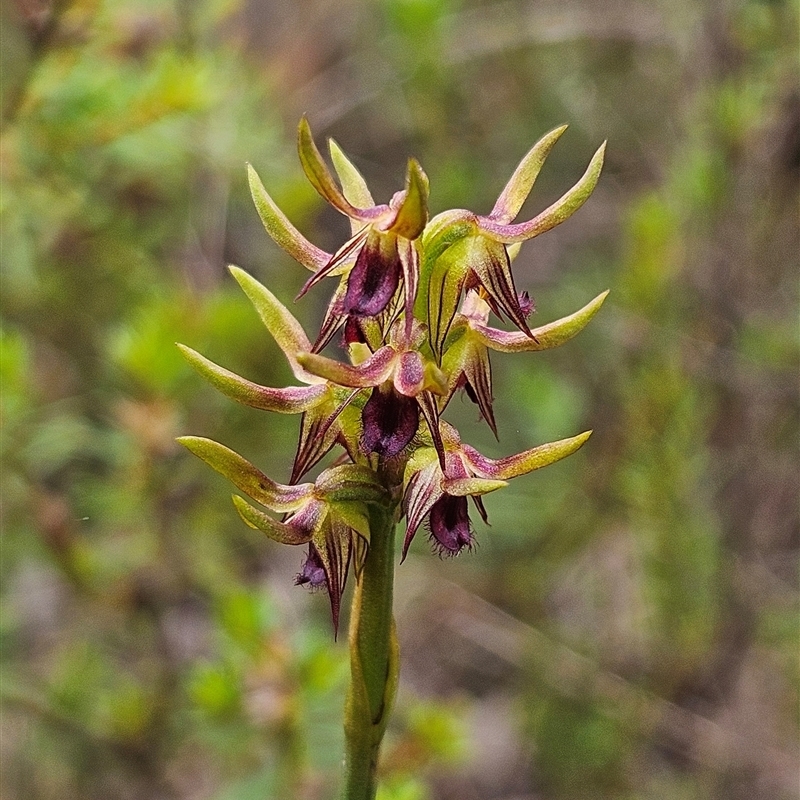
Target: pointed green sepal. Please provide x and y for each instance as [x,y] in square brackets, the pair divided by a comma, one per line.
[551,335]
[504,469]
[555,214]
[413,213]
[354,516]
[280,322]
[444,292]
[354,186]
[289,400]
[246,477]
[281,231]
[320,177]
[277,531]
[521,182]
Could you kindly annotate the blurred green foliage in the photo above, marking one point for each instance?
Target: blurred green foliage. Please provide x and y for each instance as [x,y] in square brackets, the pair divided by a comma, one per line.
[628,625]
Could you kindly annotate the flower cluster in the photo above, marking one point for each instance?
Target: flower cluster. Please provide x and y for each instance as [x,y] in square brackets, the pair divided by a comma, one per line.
[413,302]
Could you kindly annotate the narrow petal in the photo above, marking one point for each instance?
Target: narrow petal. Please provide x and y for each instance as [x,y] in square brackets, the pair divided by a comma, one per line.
[354,186]
[555,214]
[320,429]
[430,410]
[246,477]
[409,258]
[334,547]
[478,502]
[504,469]
[341,261]
[478,372]
[282,232]
[333,319]
[280,322]
[551,335]
[413,213]
[290,400]
[492,267]
[375,370]
[279,532]
[321,179]
[423,490]
[521,182]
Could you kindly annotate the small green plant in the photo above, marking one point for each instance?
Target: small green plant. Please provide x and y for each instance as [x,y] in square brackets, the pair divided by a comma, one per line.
[413,301]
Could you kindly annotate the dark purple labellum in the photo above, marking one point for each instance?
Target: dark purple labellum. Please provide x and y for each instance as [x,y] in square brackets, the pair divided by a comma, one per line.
[373,280]
[449,524]
[390,421]
[526,304]
[353,332]
[312,573]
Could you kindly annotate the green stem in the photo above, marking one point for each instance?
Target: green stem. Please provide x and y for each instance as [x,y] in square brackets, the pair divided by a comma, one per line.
[374,663]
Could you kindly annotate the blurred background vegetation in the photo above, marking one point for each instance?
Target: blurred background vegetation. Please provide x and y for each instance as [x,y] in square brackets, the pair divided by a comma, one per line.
[627,629]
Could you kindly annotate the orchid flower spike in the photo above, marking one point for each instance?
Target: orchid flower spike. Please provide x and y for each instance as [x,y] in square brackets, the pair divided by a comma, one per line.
[414,299]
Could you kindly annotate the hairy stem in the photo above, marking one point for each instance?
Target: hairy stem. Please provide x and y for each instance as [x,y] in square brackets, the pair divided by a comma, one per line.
[374,662]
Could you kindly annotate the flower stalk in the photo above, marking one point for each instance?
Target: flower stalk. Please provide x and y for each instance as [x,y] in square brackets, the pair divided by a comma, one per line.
[412,308]
[374,661]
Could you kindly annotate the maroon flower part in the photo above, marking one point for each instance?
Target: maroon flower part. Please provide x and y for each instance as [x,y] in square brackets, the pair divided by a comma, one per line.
[473,250]
[389,422]
[329,515]
[312,573]
[374,278]
[439,493]
[380,254]
[448,521]
[404,385]
[466,360]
